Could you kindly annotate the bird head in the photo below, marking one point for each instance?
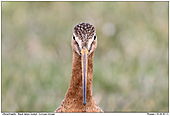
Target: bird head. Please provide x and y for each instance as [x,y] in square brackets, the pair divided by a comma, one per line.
[84,36]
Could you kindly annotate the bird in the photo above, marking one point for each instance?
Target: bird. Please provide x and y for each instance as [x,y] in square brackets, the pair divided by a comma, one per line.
[79,96]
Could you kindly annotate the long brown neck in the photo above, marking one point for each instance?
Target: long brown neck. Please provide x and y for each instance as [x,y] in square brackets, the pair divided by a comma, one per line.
[75,88]
[73,101]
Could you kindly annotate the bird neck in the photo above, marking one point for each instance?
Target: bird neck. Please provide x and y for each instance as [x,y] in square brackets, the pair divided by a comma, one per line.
[76,77]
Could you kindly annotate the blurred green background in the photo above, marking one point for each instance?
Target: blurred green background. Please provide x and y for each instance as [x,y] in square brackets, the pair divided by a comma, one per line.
[130,63]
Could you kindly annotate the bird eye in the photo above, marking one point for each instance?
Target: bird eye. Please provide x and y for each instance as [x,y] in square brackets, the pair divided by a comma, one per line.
[94,37]
[73,37]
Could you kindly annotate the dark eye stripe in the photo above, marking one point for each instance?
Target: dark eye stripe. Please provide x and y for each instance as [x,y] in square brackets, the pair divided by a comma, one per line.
[77,45]
[91,46]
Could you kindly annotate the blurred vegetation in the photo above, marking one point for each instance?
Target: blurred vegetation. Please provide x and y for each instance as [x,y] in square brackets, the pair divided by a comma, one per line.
[130,63]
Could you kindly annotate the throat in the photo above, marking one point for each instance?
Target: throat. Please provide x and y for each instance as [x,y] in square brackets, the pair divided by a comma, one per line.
[75,90]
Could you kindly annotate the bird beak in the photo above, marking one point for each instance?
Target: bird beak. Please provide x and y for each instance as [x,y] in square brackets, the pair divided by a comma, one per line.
[84,61]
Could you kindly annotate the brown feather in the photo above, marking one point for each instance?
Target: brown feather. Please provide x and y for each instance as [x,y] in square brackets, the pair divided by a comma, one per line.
[73,101]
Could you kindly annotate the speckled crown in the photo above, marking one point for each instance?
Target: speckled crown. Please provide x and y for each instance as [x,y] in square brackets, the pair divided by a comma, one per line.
[84,31]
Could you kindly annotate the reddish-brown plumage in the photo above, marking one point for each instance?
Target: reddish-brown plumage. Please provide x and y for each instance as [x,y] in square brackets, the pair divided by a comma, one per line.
[73,101]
